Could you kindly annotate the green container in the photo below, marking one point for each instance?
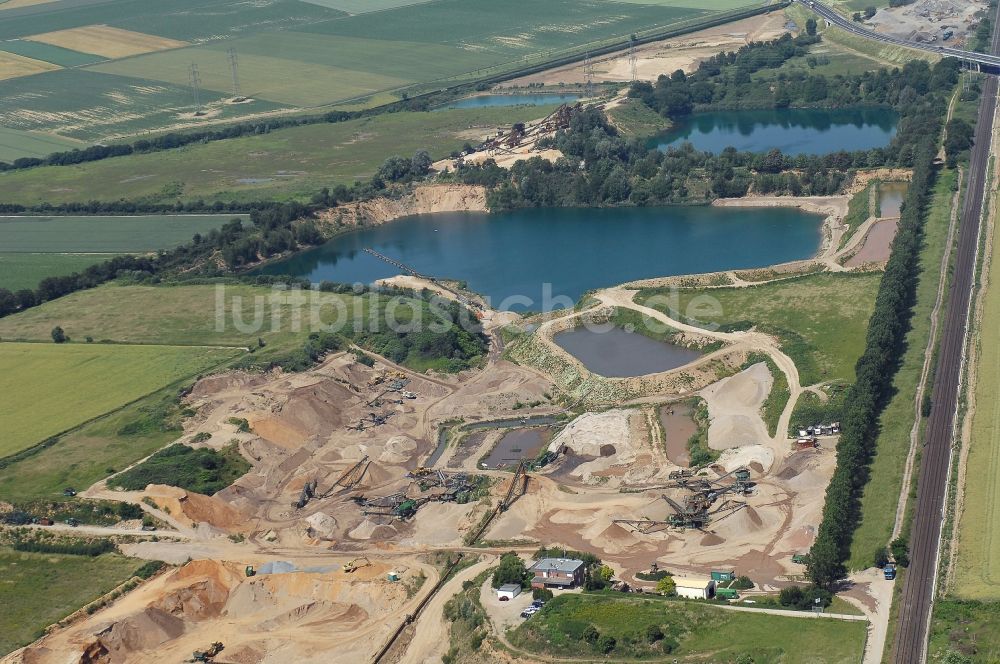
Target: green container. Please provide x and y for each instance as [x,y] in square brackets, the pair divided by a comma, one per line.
[728,575]
[727,593]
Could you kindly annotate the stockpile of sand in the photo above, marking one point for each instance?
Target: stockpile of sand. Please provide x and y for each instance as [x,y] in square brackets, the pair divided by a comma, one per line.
[604,438]
[757,457]
[195,508]
[234,380]
[322,526]
[803,472]
[734,405]
[398,450]
[371,529]
[314,410]
[208,600]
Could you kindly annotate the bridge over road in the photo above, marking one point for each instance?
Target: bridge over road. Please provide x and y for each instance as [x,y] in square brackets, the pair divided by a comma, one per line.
[984,61]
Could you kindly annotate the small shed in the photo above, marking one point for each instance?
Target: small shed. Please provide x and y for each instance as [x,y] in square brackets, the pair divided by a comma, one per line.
[694,587]
[508,590]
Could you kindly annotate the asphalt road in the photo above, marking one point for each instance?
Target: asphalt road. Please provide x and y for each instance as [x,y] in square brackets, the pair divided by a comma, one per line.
[910,642]
[990,59]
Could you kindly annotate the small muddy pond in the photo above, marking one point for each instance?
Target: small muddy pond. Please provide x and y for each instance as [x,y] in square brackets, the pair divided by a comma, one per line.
[617,353]
[890,198]
[538,99]
[518,444]
[678,426]
[794,131]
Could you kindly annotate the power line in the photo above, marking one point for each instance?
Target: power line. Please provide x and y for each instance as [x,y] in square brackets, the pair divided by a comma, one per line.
[234,65]
[195,80]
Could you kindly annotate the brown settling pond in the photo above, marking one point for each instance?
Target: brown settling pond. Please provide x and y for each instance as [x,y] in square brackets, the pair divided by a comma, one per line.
[617,353]
[518,444]
[678,425]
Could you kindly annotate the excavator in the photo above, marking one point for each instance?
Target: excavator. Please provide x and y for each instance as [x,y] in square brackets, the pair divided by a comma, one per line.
[357,563]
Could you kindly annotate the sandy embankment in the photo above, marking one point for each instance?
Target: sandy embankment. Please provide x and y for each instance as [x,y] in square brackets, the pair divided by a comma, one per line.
[425,199]
[834,209]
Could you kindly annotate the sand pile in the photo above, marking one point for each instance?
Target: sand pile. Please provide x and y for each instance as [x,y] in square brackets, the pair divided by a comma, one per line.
[207,599]
[370,529]
[734,405]
[309,411]
[195,508]
[802,471]
[235,380]
[757,457]
[322,526]
[605,438]
[398,450]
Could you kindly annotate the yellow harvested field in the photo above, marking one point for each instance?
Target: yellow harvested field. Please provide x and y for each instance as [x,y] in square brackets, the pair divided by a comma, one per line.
[14,4]
[106,41]
[13,66]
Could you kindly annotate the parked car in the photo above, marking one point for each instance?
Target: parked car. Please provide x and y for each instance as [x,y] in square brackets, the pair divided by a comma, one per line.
[538,604]
[504,598]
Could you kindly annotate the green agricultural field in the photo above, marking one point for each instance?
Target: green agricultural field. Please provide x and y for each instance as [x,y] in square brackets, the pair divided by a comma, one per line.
[168,315]
[821,319]
[95,450]
[881,494]
[364,6]
[977,569]
[289,163]
[112,234]
[19,271]
[91,106]
[276,79]
[696,631]
[49,53]
[970,629]
[39,589]
[15,143]
[48,388]
[295,55]
[187,20]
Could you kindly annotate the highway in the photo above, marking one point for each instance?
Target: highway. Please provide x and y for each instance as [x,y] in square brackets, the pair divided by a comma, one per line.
[990,60]
[917,599]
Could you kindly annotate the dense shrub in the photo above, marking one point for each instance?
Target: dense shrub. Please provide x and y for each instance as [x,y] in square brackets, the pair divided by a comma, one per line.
[202,471]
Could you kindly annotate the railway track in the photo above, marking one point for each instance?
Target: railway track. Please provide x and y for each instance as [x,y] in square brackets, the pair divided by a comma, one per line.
[910,643]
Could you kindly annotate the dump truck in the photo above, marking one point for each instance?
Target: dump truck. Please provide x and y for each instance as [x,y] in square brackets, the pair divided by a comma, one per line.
[889,571]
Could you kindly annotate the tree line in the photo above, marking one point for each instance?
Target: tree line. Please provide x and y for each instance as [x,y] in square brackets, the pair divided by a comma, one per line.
[875,369]
[602,168]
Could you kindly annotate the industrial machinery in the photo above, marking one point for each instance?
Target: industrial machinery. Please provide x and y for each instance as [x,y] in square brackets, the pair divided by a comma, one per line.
[308,493]
[208,654]
[250,571]
[356,564]
[699,507]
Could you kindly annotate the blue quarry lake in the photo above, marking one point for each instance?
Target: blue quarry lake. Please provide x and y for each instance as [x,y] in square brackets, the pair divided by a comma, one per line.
[793,131]
[510,257]
[539,99]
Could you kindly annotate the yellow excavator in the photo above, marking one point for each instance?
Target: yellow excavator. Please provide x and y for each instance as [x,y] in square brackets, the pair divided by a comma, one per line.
[357,563]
